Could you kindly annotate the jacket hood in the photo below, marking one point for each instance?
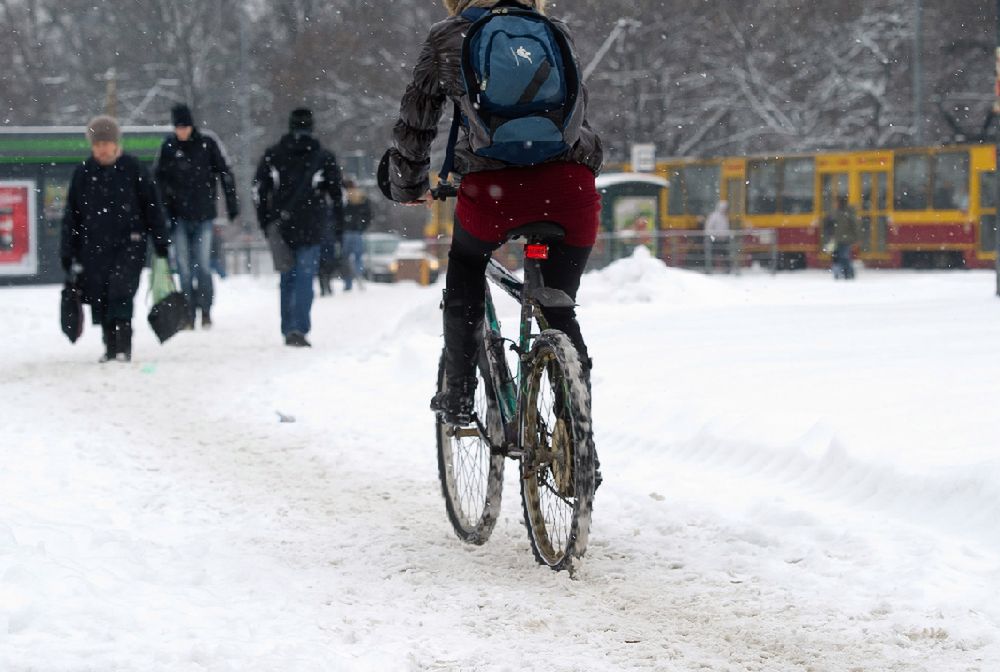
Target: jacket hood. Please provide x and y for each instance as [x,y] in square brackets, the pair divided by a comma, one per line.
[458,6]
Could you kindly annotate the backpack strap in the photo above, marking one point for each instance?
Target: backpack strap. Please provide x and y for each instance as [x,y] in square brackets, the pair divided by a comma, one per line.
[475,13]
[449,154]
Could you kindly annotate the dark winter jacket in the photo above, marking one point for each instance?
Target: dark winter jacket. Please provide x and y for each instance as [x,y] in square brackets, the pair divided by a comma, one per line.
[186,173]
[437,78]
[357,211]
[843,227]
[110,213]
[293,178]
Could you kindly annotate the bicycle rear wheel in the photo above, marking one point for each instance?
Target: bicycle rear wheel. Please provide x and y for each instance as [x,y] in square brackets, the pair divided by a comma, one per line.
[557,479]
[471,475]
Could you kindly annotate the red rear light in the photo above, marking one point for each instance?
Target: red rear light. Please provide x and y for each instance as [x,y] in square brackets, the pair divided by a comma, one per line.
[536,251]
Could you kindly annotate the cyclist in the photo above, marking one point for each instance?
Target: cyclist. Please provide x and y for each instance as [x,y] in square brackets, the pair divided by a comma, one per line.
[494,197]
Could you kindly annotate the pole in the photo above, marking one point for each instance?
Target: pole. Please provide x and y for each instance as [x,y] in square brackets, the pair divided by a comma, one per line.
[918,75]
[111,93]
[245,169]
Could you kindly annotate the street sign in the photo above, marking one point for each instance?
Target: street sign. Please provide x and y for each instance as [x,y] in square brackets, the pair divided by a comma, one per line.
[643,157]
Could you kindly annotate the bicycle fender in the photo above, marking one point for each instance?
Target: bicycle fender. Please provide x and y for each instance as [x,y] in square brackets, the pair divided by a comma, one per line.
[547,297]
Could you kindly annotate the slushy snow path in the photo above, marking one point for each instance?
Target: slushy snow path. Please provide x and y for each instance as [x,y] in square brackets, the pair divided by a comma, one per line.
[799,475]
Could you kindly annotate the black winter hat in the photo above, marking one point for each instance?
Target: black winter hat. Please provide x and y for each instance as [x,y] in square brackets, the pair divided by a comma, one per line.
[181,115]
[301,119]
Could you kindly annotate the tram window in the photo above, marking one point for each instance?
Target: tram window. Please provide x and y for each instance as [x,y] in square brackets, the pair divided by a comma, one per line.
[988,190]
[951,181]
[912,177]
[797,194]
[762,188]
[675,197]
[701,186]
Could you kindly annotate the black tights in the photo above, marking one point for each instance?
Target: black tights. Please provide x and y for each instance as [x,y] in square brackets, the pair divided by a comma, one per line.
[466,287]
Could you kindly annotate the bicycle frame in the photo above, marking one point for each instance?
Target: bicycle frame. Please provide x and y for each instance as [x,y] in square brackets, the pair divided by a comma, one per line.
[531,294]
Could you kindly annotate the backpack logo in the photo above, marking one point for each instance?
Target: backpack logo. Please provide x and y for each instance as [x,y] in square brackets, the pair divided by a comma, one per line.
[521,53]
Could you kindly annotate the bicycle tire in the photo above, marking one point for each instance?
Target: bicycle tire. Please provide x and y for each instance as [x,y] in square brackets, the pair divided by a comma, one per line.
[557,479]
[471,475]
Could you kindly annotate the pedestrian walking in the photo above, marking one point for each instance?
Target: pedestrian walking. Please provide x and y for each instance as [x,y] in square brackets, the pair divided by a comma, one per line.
[357,218]
[187,168]
[844,230]
[293,181]
[329,253]
[717,233]
[112,212]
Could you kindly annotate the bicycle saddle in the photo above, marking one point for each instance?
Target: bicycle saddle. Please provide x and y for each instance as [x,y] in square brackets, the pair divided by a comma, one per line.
[541,231]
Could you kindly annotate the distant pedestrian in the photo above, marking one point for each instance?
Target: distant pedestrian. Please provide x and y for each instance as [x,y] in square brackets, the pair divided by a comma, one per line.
[189,162]
[717,234]
[357,218]
[112,210]
[293,181]
[330,253]
[843,230]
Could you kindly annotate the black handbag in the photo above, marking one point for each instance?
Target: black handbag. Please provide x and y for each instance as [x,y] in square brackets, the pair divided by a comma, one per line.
[71,311]
[168,316]
[170,312]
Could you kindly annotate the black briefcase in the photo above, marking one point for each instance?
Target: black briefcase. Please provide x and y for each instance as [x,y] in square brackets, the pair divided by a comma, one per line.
[168,316]
[71,312]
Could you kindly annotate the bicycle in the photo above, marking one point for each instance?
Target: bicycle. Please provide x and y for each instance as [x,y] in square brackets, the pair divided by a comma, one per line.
[541,419]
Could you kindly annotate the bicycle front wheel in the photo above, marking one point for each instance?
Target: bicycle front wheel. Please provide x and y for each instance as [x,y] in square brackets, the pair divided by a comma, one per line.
[557,479]
[471,475]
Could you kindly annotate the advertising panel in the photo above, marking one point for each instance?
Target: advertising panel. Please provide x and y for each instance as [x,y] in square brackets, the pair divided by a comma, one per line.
[18,228]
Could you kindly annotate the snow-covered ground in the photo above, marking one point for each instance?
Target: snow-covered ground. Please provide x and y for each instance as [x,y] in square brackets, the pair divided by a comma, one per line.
[799,475]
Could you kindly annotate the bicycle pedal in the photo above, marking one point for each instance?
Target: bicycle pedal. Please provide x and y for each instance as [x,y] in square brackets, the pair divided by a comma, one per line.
[463,432]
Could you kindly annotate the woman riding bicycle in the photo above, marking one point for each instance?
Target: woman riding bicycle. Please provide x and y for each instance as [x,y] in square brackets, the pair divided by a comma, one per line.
[494,197]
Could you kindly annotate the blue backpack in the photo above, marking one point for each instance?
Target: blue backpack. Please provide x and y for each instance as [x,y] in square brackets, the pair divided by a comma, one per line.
[522,87]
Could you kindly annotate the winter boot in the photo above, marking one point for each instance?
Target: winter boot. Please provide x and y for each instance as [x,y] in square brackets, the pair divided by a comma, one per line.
[455,403]
[206,319]
[108,337]
[123,339]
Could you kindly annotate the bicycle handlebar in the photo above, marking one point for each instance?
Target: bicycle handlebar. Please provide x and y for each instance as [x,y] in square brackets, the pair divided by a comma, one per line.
[444,191]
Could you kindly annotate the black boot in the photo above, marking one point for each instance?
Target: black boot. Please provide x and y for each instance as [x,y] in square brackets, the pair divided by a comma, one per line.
[123,339]
[108,337]
[456,402]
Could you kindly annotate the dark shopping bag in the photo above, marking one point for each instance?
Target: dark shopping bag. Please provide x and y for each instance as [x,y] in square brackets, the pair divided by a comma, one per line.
[71,311]
[170,308]
[168,316]
[281,254]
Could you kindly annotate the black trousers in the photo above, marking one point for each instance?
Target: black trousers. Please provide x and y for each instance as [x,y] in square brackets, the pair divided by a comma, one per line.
[465,288]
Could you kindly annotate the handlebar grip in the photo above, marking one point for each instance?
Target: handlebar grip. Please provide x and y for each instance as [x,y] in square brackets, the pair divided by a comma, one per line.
[444,191]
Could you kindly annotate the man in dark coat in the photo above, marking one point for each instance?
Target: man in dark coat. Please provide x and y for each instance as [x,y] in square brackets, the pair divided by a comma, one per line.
[188,164]
[293,179]
[112,209]
[844,231]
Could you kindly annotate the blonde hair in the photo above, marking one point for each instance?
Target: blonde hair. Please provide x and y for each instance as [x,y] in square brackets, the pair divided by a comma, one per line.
[458,6]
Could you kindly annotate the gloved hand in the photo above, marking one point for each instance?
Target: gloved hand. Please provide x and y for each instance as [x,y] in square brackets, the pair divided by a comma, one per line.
[67,263]
[161,250]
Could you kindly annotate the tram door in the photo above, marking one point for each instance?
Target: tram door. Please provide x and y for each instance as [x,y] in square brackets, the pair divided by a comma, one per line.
[874,218]
[736,199]
[834,186]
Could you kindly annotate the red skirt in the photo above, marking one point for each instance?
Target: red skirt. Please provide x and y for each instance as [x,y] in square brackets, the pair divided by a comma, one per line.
[492,202]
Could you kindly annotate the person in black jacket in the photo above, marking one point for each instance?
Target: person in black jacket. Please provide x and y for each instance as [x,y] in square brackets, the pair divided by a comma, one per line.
[187,166]
[293,180]
[112,209]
